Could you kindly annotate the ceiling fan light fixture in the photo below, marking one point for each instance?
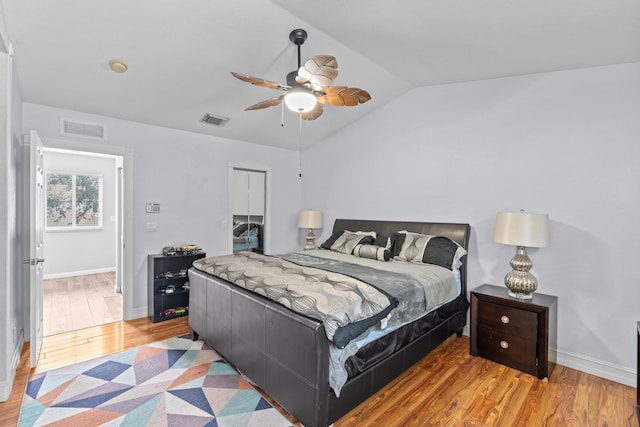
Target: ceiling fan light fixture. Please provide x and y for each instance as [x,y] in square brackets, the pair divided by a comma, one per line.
[300,102]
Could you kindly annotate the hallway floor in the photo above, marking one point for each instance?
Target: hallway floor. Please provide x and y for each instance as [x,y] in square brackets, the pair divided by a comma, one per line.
[79,302]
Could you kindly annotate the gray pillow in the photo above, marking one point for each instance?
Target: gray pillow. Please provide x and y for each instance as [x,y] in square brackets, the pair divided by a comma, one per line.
[372,252]
[443,251]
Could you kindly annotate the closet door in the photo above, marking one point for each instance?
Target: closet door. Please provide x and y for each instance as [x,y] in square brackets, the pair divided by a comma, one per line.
[256,195]
[240,195]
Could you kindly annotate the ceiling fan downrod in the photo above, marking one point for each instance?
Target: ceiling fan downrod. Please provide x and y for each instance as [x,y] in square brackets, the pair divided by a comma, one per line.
[298,37]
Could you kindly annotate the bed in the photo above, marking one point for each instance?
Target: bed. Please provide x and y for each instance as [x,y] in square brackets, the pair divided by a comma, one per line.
[288,354]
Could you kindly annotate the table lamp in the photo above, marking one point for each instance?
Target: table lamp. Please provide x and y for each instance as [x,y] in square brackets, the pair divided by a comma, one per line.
[310,219]
[521,229]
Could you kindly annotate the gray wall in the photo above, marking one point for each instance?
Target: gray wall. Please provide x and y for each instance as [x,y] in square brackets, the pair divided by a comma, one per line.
[566,144]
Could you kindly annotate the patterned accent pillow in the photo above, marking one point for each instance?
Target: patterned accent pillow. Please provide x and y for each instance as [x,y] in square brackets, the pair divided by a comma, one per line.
[331,240]
[349,239]
[373,252]
[413,247]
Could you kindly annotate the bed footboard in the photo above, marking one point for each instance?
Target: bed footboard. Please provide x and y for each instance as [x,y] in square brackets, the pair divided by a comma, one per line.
[285,354]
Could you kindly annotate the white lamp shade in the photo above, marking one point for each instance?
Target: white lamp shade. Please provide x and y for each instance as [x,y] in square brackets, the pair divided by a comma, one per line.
[522,229]
[310,219]
[300,102]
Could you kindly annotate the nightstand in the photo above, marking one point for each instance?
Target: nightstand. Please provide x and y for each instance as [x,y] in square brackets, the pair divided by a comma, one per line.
[519,333]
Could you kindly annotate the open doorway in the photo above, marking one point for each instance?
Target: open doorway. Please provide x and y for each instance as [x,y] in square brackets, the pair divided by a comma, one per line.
[82,278]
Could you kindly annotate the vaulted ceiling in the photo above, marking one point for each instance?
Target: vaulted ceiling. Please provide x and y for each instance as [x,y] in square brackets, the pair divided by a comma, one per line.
[180,53]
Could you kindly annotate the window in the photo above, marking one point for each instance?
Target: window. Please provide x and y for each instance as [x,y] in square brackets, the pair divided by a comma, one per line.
[74,201]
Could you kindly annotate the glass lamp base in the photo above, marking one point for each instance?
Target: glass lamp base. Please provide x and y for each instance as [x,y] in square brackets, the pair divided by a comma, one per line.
[311,241]
[520,295]
[520,282]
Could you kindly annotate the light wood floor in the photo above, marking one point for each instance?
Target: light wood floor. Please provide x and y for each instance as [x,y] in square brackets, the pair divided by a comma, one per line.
[449,387]
[79,302]
[446,388]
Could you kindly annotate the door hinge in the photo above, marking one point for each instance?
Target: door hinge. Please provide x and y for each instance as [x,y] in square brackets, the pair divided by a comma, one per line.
[536,361]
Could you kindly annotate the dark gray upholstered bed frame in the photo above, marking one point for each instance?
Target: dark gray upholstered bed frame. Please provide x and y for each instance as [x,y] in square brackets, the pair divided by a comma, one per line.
[287,354]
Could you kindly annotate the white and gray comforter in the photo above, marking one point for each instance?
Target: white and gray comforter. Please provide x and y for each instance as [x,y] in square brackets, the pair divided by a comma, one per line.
[346,305]
[353,297]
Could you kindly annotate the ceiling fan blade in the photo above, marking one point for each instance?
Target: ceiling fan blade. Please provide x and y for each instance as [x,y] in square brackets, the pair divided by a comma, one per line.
[319,71]
[344,96]
[259,82]
[313,114]
[271,102]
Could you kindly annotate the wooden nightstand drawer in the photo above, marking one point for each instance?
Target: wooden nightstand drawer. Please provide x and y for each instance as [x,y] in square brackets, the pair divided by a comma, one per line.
[512,350]
[508,319]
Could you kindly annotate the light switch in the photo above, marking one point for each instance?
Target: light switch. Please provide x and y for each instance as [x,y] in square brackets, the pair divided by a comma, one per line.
[153,207]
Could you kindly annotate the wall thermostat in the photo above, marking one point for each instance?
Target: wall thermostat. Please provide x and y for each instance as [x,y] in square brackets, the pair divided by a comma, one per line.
[153,207]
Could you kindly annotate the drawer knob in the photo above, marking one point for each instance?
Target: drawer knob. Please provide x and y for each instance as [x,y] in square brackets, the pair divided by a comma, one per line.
[504,319]
[504,344]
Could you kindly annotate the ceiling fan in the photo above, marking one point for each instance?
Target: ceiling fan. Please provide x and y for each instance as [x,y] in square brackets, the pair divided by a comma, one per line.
[308,88]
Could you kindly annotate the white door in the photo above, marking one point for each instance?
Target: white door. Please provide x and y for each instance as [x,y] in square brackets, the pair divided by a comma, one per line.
[36,246]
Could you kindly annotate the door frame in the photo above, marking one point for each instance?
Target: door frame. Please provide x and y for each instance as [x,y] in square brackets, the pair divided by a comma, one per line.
[125,251]
[266,244]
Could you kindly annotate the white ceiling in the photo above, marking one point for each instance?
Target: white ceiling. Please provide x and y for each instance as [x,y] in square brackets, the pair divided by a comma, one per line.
[180,53]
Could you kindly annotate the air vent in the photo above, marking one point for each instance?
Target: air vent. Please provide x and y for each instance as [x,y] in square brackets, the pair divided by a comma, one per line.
[79,128]
[215,120]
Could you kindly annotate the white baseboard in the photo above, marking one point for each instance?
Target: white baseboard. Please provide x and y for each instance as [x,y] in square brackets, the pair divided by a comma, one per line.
[139,312]
[599,368]
[6,386]
[79,273]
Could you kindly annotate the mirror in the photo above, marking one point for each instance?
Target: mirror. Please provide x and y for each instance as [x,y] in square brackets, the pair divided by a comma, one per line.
[248,209]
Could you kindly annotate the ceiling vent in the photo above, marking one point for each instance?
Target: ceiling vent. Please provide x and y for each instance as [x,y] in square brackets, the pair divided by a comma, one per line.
[215,120]
[80,128]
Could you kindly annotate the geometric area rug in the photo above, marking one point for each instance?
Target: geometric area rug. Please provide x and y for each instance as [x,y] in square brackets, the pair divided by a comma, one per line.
[176,382]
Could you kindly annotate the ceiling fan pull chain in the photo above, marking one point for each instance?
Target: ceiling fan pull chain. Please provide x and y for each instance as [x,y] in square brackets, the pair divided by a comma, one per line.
[282,115]
[300,146]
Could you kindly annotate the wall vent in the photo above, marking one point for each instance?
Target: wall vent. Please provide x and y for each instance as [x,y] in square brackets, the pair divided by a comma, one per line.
[80,128]
[215,120]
